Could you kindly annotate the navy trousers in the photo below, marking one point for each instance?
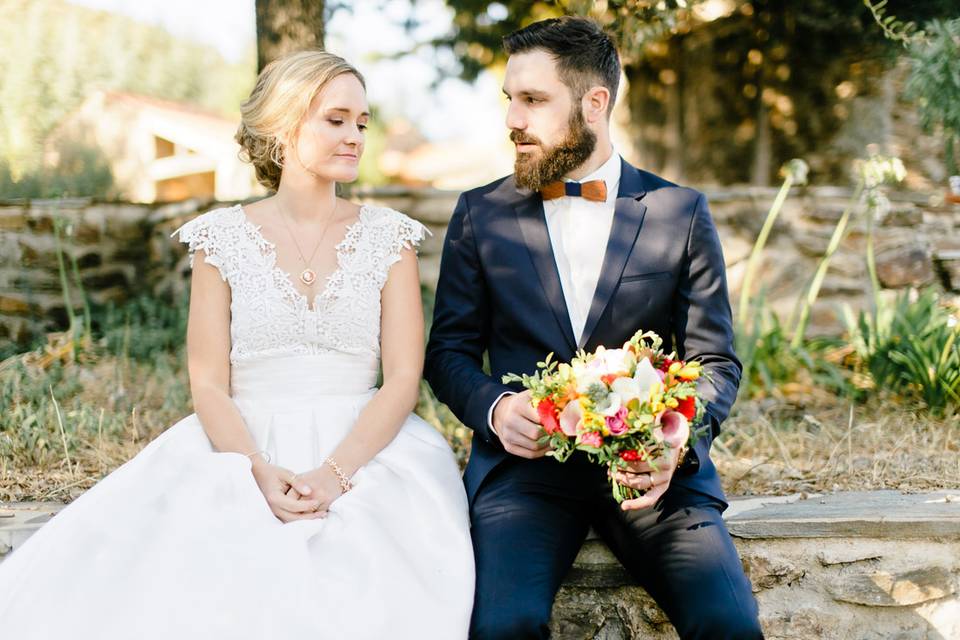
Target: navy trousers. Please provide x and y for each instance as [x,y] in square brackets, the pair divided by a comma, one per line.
[530,518]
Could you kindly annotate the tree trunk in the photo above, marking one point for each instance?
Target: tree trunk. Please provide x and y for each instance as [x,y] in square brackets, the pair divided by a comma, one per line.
[674,165]
[762,150]
[287,25]
[638,151]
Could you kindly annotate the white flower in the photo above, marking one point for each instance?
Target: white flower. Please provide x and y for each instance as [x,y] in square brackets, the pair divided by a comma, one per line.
[610,361]
[610,405]
[586,380]
[646,376]
[626,388]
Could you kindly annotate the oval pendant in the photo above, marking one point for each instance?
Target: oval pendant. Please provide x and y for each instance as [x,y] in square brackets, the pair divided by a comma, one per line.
[308,277]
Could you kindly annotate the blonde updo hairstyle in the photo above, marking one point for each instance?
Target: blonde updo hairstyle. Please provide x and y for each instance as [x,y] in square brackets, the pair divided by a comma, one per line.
[277,105]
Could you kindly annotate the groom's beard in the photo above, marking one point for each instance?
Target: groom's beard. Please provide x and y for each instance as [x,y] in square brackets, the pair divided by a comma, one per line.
[571,152]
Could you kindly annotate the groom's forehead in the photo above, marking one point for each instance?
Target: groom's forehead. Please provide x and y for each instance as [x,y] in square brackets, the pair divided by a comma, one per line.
[530,72]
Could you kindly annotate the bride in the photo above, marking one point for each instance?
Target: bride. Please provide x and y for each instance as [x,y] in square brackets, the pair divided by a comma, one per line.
[300,500]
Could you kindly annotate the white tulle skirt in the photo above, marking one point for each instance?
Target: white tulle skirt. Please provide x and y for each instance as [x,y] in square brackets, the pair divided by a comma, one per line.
[179,542]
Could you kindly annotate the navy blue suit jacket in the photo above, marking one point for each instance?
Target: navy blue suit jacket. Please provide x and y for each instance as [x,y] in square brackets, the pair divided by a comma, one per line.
[499,294]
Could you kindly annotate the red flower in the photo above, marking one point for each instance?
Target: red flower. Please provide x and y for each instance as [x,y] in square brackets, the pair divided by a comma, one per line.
[665,364]
[547,411]
[632,455]
[688,407]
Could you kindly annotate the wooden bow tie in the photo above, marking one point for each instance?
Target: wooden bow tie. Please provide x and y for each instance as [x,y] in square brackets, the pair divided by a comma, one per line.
[594,190]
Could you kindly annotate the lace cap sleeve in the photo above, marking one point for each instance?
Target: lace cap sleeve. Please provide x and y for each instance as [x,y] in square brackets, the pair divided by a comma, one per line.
[408,234]
[210,232]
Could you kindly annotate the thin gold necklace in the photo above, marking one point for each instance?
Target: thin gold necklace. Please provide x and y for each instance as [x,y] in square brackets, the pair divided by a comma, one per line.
[308,276]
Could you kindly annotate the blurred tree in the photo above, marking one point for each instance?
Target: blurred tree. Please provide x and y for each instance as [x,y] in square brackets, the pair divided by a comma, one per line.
[288,25]
[718,90]
[81,170]
[53,54]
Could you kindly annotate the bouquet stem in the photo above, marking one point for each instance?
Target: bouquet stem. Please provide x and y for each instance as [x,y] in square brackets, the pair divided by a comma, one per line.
[621,492]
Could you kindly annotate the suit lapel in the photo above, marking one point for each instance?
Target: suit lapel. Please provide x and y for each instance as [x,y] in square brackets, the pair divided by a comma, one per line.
[627,220]
[533,226]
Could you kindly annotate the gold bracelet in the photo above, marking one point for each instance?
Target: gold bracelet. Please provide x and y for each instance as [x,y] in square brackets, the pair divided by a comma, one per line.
[684,450]
[266,455]
[341,476]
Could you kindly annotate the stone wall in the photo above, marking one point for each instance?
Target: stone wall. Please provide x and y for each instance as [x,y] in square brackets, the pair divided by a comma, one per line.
[107,241]
[123,249]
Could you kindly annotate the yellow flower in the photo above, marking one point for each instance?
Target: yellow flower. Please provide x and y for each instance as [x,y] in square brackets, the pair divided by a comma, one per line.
[656,390]
[689,372]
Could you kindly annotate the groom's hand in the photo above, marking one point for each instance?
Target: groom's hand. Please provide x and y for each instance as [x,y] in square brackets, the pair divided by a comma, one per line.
[651,477]
[517,425]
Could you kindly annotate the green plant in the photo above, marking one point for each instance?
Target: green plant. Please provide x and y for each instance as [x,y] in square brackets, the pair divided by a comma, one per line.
[872,174]
[934,82]
[910,347]
[793,172]
[144,327]
[893,28]
[771,362]
[80,333]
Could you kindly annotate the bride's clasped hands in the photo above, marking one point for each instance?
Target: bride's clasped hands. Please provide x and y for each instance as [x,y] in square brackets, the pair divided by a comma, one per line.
[293,496]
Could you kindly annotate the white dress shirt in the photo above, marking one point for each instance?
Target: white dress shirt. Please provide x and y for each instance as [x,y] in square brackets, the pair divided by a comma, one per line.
[579,230]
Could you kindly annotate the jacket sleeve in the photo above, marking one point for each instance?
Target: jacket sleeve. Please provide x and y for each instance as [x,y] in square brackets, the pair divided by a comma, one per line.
[703,324]
[460,330]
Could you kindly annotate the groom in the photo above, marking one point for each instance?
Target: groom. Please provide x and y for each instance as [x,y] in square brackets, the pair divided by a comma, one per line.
[579,249]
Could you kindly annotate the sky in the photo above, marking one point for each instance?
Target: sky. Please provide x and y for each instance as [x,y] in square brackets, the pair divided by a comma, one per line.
[453,109]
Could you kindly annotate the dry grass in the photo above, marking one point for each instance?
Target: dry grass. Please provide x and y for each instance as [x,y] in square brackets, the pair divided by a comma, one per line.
[771,446]
[69,421]
[104,409]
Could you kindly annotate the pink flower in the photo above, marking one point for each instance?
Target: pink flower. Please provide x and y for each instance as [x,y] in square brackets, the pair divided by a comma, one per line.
[617,423]
[591,439]
[570,417]
[676,429]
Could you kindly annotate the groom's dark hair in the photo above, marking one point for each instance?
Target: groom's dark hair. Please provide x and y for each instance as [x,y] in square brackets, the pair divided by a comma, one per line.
[585,54]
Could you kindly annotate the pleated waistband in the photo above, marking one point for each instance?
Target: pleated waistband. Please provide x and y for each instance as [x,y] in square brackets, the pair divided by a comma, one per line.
[298,378]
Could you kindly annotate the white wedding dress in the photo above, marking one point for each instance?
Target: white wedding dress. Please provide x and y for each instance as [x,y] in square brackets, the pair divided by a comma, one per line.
[179,542]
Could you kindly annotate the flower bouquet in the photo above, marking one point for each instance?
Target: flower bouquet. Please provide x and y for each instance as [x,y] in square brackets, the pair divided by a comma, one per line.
[617,405]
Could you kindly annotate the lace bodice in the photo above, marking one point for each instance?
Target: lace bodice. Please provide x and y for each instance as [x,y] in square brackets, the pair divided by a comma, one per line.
[269,317]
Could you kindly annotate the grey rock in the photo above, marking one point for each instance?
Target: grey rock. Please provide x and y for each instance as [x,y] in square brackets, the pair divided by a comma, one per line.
[765,572]
[883,589]
[909,265]
[854,514]
[847,556]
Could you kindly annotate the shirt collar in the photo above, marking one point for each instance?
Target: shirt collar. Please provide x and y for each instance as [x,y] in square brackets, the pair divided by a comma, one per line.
[609,172]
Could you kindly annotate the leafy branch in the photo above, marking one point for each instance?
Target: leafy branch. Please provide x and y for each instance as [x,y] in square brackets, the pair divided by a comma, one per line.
[893,28]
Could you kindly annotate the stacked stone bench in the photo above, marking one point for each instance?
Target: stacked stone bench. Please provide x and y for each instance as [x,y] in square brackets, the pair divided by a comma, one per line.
[845,566]
[855,565]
